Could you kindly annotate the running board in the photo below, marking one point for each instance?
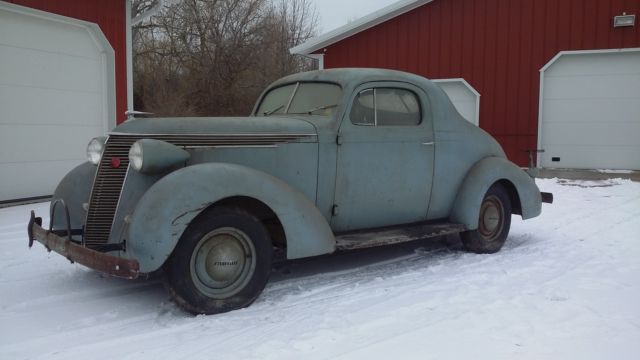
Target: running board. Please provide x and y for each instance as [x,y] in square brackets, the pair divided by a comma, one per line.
[396,235]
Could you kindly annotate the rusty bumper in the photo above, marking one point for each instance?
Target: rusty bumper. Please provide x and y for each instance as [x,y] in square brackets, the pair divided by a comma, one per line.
[108,264]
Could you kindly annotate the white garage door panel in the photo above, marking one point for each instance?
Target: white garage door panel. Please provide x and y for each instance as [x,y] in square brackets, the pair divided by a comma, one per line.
[40,178]
[593,133]
[583,157]
[594,110]
[591,87]
[41,143]
[49,70]
[583,64]
[61,37]
[56,93]
[463,98]
[53,106]
[590,114]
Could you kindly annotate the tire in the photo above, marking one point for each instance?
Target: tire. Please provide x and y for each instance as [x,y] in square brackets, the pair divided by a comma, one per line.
[493,223]
[221,263]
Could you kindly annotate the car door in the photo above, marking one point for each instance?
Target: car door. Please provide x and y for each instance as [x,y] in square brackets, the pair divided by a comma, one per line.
[385,158]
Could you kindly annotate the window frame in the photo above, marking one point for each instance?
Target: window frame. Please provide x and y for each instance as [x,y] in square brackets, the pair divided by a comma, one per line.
[375,106]
[287,106]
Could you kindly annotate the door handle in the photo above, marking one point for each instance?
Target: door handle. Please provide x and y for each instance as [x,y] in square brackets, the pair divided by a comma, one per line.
[428,143]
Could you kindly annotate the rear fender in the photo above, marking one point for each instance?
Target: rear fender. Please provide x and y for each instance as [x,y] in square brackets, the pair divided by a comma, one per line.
[166,209]
[481,177]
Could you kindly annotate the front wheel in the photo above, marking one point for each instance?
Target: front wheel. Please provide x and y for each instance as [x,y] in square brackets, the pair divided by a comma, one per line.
[493,223]
[222,262]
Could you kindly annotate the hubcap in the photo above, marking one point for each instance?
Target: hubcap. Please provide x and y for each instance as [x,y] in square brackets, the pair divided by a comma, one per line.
[223,262]
[491,218]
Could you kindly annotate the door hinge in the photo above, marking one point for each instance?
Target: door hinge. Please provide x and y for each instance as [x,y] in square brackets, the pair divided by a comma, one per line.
[339,140]
[334,210]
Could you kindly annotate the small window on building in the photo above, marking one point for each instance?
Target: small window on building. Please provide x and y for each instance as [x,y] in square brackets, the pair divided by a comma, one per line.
[386,107]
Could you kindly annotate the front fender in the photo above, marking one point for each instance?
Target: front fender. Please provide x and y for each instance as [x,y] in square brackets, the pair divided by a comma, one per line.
[166,209]
[75,190]
[479,179]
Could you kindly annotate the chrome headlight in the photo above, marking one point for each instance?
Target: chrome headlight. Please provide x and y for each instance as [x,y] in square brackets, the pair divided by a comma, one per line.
[94,150]
[135,156]
[150,156]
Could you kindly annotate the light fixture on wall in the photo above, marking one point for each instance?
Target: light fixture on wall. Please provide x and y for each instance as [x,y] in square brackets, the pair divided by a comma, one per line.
[624,20]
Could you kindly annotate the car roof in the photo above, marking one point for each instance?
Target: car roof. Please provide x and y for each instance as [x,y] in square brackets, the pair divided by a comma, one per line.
[352,77]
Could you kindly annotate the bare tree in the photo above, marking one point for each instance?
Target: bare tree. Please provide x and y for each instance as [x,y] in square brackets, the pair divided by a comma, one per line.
[214,57]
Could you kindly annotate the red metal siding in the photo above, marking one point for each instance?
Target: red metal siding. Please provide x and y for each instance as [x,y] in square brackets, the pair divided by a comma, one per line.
[498,46]
[111,17]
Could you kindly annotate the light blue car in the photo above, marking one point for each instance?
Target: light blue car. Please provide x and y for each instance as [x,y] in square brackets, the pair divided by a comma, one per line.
[329,160]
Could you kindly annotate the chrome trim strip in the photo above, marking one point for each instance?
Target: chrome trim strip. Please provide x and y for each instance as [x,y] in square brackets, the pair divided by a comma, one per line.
[209,135]
[231,146]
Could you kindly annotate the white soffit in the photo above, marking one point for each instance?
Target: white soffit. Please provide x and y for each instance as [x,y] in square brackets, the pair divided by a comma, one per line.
[364,23]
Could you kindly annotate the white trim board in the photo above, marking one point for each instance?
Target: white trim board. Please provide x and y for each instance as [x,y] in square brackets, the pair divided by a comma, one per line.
[129,49]
[466,84]
[364,23]
[542,75]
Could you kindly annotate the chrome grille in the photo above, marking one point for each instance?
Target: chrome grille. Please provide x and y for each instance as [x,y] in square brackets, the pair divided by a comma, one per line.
[106,191]
[108,183]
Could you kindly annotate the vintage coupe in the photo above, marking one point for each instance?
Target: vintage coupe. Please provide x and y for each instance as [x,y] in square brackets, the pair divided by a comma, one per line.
[329,160]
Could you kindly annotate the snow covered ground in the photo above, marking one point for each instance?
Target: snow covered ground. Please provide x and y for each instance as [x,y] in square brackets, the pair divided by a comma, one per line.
[566,286]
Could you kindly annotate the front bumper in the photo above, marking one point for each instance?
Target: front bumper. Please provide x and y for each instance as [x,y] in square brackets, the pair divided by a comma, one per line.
[99,261]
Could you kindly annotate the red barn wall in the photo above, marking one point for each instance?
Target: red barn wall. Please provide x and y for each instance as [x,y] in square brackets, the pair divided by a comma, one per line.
[498,46]
[111,17]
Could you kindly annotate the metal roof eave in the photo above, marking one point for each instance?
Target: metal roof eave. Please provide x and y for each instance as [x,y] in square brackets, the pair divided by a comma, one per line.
[357,26]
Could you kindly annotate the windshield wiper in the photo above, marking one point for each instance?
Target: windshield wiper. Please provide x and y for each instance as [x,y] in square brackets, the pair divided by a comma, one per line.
[271,112]
[323,107]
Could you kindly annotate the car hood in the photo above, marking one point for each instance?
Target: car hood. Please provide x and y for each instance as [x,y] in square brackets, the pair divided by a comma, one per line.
[217,126]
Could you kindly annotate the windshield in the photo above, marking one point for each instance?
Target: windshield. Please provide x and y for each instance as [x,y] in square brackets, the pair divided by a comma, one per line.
[301,98]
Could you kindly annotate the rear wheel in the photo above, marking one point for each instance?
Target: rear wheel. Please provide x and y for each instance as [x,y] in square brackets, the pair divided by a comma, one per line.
[221,263]
[493,223]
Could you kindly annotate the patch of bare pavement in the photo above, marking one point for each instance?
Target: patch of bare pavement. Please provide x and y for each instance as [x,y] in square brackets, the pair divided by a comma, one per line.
[579,174]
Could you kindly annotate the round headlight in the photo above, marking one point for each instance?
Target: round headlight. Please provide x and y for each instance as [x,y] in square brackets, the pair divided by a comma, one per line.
[135,156]
[94,150]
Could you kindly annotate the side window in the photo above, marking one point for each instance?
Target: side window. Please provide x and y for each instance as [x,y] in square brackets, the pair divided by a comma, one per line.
[397,107]
[363,109]
[386,107]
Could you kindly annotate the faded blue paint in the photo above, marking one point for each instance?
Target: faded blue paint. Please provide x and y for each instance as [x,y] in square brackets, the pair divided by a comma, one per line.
[384,173]
[167,208]
[160,156]
[376,176]
[219,126]
[479,179]
[74,189]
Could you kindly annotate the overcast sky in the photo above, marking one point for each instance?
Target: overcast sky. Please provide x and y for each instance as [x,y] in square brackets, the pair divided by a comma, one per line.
[335,13]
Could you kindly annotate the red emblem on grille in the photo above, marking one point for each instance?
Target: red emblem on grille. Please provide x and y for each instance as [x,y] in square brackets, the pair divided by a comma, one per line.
[115,162]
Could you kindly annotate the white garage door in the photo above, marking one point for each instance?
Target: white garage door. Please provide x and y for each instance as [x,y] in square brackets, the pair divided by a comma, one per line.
[464,97]
[56,93]
[591,111]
